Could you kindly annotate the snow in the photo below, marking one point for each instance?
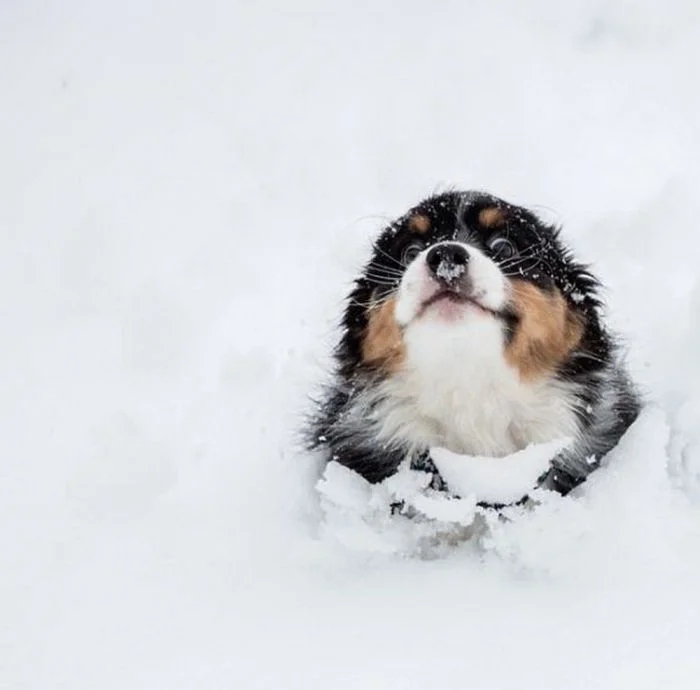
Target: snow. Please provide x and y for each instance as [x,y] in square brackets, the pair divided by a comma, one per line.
[187,192]
[497,480]
[449,272]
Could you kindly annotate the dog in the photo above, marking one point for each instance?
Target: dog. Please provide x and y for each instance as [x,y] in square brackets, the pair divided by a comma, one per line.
[473,328]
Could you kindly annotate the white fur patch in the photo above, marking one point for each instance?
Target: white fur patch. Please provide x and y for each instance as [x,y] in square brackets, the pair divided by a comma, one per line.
[455,388]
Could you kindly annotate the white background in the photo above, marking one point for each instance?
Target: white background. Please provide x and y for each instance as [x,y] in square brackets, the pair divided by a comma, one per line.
[186,191]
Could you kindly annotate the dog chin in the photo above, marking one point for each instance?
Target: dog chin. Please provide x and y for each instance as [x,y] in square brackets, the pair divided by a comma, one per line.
[445,307]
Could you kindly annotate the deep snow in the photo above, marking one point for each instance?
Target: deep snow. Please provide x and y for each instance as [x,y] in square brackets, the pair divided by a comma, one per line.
[186,192]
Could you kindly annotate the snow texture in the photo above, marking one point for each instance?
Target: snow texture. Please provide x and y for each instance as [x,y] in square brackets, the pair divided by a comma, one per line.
[187,192]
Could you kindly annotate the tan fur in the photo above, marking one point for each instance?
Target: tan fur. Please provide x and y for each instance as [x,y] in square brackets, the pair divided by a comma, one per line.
[382,343]
[491,217]
[419,224]
[548,331]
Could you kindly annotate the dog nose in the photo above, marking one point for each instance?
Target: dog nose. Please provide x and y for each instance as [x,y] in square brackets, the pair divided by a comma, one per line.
[447,260]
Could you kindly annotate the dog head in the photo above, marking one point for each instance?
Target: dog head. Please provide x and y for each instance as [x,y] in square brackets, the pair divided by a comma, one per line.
[468,273]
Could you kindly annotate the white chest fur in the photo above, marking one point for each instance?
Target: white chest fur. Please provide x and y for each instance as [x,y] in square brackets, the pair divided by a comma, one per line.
[457,391]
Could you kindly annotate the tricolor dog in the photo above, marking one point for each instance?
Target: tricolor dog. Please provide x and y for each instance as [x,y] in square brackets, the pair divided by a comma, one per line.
[473,328]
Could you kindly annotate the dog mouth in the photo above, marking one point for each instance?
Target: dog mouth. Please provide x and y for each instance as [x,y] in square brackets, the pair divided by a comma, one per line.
[455,297]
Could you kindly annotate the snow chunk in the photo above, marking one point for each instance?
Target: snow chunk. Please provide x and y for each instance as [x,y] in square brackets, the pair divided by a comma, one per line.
[496,480]
[404,515]
[401,515]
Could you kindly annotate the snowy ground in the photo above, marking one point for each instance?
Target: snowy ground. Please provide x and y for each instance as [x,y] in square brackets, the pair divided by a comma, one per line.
[186,191]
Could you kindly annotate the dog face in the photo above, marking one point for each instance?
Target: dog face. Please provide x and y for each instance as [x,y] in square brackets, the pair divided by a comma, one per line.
[469,275]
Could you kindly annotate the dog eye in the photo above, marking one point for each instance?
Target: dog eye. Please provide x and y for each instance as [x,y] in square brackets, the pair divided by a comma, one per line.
[502,248]
[411,252]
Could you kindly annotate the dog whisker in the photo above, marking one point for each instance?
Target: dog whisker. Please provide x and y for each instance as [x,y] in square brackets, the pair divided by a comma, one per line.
[388,256]
[372,303]
[383,280]
[378,270]
[528,263]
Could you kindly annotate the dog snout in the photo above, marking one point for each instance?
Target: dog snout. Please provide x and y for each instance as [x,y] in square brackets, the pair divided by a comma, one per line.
[447,261]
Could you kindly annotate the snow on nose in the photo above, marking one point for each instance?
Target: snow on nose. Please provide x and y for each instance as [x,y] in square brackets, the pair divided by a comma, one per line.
[447,261]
